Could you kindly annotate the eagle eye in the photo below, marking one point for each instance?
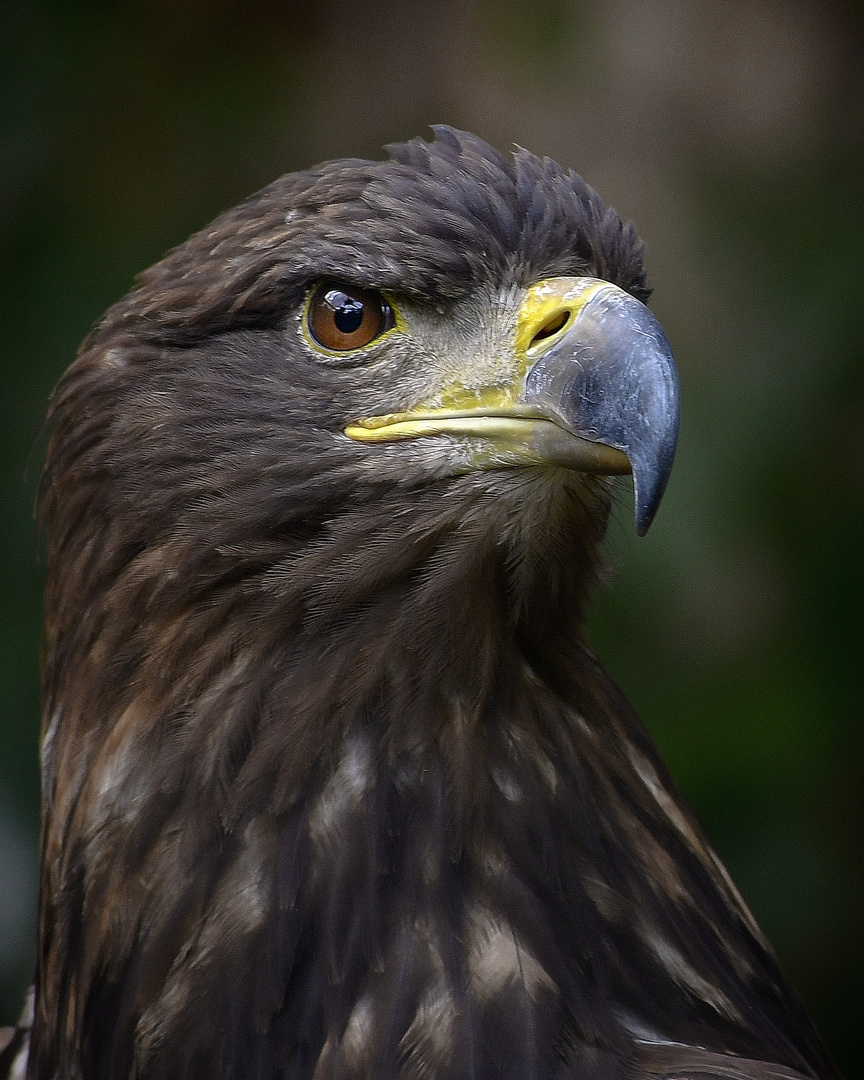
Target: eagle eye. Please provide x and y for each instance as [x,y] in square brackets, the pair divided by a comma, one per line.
[343,317]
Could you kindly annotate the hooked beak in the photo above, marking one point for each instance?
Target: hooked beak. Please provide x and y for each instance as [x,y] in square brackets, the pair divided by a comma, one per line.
[608,376]
[594,389]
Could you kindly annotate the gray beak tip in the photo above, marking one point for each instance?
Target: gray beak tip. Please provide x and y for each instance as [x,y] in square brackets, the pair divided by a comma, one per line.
[651,472]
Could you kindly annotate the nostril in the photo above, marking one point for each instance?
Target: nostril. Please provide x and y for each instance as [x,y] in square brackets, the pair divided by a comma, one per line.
[552,326]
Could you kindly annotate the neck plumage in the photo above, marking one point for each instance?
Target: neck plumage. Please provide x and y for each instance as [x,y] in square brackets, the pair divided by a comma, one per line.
[372,802]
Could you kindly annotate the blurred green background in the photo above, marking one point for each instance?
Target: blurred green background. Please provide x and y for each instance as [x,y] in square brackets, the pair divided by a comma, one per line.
[733,134]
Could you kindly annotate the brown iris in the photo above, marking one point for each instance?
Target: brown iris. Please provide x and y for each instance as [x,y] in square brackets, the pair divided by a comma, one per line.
[342,317]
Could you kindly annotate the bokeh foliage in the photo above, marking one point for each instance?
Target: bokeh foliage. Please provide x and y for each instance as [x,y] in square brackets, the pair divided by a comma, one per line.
[734,135]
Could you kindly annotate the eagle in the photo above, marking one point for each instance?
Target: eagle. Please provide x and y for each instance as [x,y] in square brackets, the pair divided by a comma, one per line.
[334,787]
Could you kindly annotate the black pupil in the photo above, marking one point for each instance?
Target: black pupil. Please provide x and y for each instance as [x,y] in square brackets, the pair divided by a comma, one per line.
[347,312]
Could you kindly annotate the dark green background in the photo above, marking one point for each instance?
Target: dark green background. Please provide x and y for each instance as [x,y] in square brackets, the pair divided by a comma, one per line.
[733,134]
